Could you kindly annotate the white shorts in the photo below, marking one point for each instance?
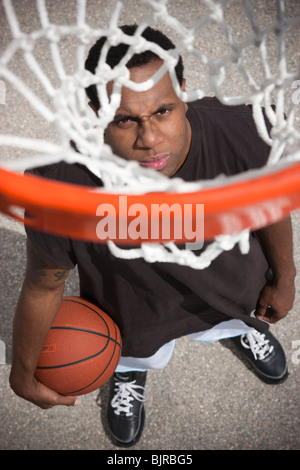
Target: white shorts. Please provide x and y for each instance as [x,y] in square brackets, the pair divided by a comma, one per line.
[160,359]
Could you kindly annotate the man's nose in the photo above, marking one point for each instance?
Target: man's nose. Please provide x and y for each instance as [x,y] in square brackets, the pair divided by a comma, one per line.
[149,135]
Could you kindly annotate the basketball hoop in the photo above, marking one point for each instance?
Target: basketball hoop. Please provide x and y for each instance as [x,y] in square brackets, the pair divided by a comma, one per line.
[69,210]
[232,206]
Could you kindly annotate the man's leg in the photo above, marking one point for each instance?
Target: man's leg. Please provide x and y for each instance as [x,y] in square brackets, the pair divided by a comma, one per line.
[125,410]
[263,351]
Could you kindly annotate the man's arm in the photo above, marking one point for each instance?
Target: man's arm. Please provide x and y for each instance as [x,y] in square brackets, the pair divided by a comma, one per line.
[277,297]
[38,304]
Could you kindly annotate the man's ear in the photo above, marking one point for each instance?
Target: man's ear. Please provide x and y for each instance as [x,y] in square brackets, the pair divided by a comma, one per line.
[91,105]
[182,87]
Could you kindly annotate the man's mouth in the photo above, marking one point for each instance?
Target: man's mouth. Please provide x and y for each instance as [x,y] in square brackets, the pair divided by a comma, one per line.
[158,162]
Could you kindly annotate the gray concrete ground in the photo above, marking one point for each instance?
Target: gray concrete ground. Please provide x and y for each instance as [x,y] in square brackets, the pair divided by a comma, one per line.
[207,397]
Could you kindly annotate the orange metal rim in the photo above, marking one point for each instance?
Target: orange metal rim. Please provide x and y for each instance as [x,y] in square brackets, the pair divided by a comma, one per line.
[70,210]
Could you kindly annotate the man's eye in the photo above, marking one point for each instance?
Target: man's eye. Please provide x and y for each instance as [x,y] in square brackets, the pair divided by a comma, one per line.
[163,111]
[125,122]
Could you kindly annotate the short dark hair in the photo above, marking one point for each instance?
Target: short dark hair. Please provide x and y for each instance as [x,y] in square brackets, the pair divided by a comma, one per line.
[116,53]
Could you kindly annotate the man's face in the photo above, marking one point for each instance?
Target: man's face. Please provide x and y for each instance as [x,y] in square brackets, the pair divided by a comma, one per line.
[151,126]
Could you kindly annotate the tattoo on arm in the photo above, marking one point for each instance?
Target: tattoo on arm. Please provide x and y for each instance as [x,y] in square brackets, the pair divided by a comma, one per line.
[34,275]
[40,270]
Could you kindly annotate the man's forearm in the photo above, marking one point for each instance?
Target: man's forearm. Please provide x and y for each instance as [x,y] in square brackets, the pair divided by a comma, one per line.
[38,305]
[277,243]
[277,297]
[34,316]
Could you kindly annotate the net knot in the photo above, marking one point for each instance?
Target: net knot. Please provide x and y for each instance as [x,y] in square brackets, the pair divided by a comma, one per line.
[115,37]
[85,34]
[216,11]
[26,43]
[188,41]
[53,33]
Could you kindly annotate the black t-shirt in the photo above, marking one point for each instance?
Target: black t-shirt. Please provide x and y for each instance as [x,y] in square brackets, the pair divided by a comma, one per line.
[153,303]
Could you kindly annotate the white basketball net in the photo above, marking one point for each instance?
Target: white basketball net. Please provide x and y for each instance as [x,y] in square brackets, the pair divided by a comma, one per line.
[75,121]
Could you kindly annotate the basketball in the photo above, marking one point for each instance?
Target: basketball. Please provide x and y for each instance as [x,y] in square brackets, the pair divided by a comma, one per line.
[81,351]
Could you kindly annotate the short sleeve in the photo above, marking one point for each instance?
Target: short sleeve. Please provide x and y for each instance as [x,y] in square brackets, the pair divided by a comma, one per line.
[56,249]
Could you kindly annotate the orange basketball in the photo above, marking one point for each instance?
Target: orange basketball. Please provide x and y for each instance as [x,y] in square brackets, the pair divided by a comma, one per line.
[81,351]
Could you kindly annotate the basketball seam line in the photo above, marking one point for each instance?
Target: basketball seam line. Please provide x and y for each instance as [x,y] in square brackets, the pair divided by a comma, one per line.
[85,331]
[95,380]
[73,363]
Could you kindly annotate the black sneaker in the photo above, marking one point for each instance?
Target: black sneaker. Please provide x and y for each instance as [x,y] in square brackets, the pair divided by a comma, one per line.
[125,410]
[265,354]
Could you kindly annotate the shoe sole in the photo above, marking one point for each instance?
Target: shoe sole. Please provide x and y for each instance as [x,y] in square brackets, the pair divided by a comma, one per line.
[266,378]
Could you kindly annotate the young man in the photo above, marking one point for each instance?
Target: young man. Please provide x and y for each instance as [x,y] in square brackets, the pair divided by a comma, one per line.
[153,304]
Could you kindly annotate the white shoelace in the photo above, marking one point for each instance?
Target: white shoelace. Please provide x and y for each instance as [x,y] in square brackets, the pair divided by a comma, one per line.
[258,344]
[125,393]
